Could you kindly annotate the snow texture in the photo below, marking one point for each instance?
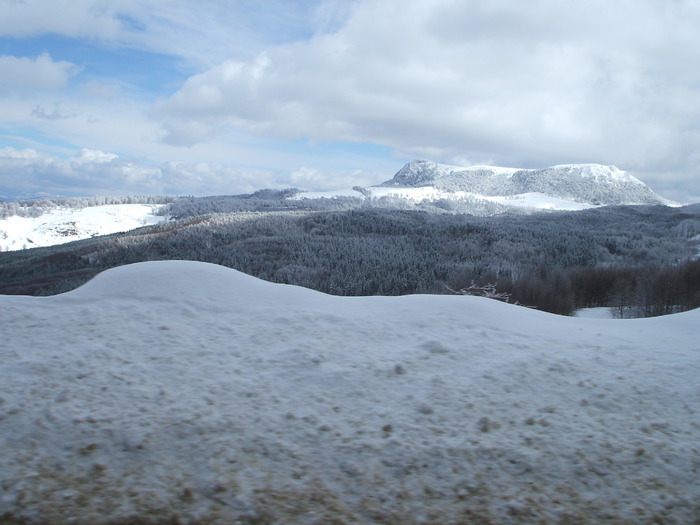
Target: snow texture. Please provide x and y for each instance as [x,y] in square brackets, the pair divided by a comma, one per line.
[62,225]
[186,392]
[601,312]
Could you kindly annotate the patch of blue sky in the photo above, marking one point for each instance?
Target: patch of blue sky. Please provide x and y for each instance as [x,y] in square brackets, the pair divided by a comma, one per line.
[151,74]
[280,21]
[131,23]
[23,137]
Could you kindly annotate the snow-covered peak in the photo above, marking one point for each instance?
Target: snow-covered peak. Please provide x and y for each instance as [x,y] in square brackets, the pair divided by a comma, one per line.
[420,172]
[423,172]
[593,184]
[496,170]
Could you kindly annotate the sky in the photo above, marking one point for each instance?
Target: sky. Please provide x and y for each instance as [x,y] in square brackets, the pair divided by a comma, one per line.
[119,97]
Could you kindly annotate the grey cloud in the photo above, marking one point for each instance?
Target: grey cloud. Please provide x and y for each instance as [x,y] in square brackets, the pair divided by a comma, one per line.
[23,75]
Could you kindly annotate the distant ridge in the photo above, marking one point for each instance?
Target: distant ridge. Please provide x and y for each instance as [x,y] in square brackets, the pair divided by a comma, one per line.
[586,183]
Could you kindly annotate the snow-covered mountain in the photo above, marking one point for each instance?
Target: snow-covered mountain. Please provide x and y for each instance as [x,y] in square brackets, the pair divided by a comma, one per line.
[591,184]
[479,190]
[490,190]
[61,224]
[186,392]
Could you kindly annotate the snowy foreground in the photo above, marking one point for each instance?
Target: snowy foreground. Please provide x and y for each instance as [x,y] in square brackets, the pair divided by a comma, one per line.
[185,392]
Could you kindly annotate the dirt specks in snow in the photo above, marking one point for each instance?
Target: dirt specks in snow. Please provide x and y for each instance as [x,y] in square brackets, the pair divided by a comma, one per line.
[272,404]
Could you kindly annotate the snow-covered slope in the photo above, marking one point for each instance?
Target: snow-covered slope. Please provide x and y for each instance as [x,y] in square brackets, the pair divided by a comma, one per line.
[592,184]
[488,190]
[532,200]
[191,393]
[461,200]
[61,225]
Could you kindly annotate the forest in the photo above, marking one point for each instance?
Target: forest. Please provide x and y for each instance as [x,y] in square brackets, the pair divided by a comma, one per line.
[637,260]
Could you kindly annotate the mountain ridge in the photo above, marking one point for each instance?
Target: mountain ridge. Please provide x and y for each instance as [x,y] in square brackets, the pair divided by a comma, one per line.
[595,184]
[420,185]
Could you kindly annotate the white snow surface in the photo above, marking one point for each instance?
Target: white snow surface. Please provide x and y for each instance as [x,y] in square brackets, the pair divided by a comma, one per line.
[191,393]
[603,312]
[62,225]
[540,201]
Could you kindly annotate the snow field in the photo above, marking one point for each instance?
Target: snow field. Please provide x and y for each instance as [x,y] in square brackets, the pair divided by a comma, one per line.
[537,201]
[191,391]
[62,225]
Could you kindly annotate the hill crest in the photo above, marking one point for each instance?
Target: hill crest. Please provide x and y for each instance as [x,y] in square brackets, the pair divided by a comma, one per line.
[594,184]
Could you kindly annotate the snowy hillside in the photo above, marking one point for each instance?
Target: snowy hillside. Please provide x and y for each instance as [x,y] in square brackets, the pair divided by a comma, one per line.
[419,194]
[425,185]
[191,393]
[61,225]
[592,184]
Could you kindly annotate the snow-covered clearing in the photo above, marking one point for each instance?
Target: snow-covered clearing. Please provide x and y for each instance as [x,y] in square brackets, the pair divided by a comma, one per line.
[603,312]
[187,391]
[62,225]
[538,201]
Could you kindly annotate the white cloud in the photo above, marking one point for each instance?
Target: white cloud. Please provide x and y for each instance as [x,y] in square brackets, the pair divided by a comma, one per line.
[87,171]
[95,172]
[311,178]
[517,82]
[201,33]
[330,15]
[23,75]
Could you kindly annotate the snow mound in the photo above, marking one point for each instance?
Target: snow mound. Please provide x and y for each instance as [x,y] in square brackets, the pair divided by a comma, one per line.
[187,392]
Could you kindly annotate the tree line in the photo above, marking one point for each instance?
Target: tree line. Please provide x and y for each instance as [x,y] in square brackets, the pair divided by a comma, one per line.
[639,260]
[38,207]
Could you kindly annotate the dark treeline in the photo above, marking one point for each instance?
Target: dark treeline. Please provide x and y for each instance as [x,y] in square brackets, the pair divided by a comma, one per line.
[636,259]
